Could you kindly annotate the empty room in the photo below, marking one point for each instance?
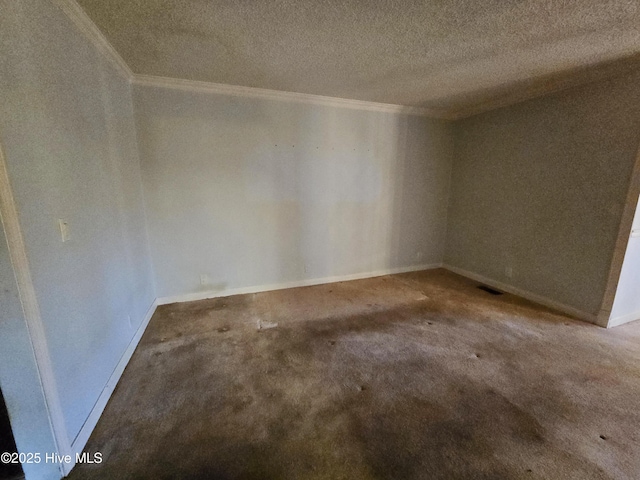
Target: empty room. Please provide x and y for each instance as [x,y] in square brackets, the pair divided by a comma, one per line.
[319,239]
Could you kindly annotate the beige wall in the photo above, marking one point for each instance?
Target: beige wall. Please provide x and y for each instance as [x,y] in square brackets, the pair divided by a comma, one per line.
[539,187]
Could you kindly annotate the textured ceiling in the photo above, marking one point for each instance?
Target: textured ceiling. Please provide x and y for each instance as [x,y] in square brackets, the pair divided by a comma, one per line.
[452,55]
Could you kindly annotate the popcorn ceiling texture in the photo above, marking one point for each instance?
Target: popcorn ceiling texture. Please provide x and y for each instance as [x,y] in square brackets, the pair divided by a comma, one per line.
[447,54]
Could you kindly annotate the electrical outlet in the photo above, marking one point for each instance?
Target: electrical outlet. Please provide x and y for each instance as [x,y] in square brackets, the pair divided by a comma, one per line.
[130,323]
[508,272]
[204,279]
[419,255]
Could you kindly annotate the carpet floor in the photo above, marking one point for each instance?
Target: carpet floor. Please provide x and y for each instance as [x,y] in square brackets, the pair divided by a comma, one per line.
[412,376]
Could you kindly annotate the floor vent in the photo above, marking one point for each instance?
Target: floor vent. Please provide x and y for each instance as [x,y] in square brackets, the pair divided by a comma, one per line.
[490,290]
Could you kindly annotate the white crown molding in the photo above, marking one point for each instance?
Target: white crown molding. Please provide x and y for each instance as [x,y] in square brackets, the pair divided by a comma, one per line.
[550,84]
[89,29]
[487,101]
[263,93]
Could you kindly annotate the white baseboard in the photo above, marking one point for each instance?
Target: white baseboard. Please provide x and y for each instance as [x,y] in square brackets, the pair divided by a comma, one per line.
[189,297]
[534,297]
[83,436]
[81,439]
[631,317]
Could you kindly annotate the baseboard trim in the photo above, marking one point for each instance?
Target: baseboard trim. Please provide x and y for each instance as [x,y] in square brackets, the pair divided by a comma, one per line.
[81,439]
[534,297]
[90,423]
[616,322]
[190,297]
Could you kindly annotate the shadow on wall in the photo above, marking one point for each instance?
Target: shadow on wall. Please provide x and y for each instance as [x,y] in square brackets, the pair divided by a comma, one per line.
[421,178]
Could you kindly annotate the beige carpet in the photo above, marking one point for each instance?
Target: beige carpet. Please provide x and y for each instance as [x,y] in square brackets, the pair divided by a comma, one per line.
[408,376]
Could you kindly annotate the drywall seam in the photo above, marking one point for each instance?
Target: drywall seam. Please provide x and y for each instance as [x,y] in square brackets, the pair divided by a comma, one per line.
[90,30]
[547,302]
[620,249]
[31,309]
[263,93]
[90,423]
[189,297]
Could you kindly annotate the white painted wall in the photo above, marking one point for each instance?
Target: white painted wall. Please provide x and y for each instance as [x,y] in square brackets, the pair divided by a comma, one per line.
[253,192]
[626,304]
[68,134]
[19,378]
[539,187]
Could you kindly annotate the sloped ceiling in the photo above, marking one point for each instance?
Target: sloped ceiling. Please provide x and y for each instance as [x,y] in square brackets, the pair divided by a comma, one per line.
[454,56]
